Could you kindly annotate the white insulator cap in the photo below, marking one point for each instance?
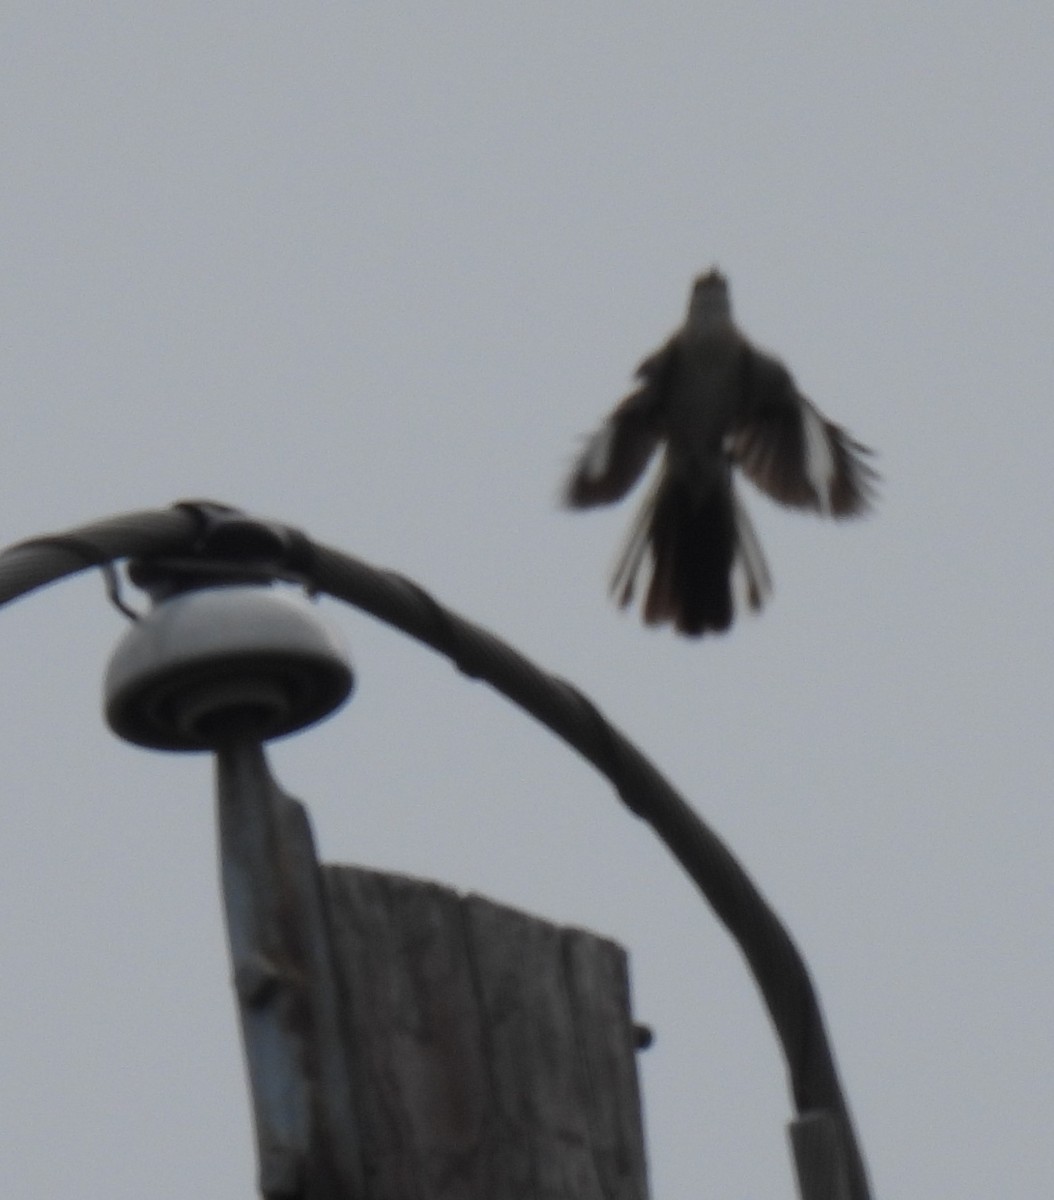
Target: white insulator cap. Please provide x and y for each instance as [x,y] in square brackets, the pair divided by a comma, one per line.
[206,664]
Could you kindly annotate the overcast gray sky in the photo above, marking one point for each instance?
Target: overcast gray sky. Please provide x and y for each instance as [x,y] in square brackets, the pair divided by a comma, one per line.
[373,270]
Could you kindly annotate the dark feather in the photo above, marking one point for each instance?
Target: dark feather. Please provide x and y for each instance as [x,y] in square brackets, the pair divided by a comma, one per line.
[769,442]
[615,457]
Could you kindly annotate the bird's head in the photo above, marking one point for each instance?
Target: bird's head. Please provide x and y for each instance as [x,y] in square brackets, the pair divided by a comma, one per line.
[710,298]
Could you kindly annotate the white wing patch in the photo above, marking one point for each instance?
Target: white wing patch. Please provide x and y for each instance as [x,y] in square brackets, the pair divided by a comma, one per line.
[596,457]
[819,457]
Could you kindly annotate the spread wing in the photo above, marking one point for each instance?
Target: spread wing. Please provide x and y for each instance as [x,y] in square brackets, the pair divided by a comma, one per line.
[788,448]
[614,458]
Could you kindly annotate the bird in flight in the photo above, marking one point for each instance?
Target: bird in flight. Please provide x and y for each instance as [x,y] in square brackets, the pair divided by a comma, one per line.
[714,403]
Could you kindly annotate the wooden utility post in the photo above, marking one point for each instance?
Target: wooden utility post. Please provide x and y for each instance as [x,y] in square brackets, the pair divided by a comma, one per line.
[492,1052]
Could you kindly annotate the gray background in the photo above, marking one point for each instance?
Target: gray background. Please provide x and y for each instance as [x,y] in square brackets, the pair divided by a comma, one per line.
[374,269]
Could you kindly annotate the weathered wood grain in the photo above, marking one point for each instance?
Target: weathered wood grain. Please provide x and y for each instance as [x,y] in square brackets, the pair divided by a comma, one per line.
[493,1053]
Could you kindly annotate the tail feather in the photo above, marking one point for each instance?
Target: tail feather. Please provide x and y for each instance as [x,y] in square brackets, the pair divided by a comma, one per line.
[751,571]
[694,542]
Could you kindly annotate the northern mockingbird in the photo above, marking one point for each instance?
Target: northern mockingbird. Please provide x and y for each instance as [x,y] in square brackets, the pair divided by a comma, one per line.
[714,402]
